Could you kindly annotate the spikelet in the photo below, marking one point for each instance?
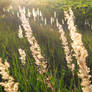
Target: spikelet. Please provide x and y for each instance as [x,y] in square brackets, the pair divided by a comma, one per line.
[34,14]
[22,56]
[66,48]
[35,48]
[9,84]
[20,32]
[80,52]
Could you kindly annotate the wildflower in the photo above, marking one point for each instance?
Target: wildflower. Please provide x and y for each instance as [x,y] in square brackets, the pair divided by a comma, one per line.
[9,84]
[80,52]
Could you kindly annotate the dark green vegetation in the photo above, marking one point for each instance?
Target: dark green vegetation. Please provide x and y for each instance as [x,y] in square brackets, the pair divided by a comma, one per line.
[48,38]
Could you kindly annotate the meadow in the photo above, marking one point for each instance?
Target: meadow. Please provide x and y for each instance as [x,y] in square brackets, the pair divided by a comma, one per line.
[29,79]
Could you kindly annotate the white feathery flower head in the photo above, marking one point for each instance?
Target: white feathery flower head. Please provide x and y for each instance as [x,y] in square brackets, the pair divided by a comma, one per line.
[67,51]
[45,21]
[40,14]
[34,46]
[57,23]
[34,14]
[22,56]
[9,84]
[52,20]
[33,11]
[80,52]
[20,32]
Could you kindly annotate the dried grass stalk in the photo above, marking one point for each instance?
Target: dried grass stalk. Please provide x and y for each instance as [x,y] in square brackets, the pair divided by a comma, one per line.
[80,52]
[8,84]
[66,48]
[34,47]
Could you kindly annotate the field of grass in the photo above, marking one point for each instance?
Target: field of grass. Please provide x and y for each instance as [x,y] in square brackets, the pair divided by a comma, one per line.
[27,75]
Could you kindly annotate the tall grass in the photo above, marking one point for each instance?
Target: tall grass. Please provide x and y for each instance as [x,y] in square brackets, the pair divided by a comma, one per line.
[26,75]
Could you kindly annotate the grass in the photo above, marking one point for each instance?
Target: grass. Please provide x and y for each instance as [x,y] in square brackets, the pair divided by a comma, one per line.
[27,76]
